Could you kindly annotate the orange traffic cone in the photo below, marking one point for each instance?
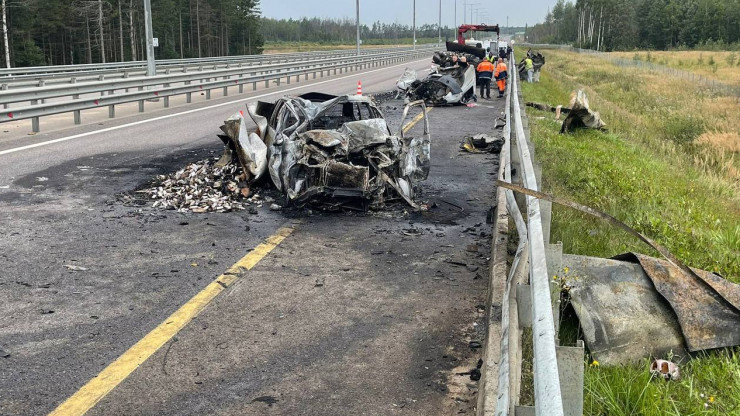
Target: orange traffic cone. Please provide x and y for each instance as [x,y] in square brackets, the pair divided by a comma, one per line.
[359,87]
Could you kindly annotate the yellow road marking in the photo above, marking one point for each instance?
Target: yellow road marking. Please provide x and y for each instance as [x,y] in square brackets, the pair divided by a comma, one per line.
[415,120]
[117,371]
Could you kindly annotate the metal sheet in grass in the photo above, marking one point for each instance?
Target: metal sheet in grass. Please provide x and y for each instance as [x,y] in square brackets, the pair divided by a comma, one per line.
[622,317]
[707,307]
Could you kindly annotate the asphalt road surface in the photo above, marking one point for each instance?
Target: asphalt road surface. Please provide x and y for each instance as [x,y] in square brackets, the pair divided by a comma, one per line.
[351,313]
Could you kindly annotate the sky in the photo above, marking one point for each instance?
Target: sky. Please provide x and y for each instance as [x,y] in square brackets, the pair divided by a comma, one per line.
[401,11]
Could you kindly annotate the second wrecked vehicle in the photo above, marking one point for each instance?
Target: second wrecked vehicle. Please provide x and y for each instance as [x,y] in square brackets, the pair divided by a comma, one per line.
[330,151]
[444,86]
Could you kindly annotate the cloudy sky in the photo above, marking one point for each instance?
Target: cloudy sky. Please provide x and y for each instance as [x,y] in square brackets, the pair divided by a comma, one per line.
[427,11]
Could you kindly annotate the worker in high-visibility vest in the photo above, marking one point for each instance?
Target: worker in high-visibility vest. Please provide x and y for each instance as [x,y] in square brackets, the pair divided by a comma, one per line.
[529,67]
[485,73]
[500,73]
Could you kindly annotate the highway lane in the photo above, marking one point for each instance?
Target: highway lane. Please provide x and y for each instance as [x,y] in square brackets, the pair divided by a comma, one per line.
[167,127]
[62,327]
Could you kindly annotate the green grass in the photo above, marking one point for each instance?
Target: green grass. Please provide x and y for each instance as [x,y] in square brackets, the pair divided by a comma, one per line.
[676,204]
[708,386]
[645,172]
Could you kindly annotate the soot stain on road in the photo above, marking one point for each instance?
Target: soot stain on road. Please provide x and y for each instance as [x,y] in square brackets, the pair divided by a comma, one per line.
[428,271]
[399,292]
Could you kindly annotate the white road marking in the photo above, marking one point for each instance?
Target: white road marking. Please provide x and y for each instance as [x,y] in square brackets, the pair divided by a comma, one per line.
[122,126]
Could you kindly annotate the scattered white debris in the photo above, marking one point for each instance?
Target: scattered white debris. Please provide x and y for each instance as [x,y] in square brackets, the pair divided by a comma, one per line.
[42,178]
[202,187]
[74,268]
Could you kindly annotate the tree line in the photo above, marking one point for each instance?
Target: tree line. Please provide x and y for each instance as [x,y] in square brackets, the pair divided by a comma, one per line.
[64,32]
[59,32]
[343,31]
[647,24]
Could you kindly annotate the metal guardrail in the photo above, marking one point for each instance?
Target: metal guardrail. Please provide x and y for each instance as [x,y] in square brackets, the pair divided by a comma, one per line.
[160,86]
[530,298]
[42,76]
[64,90]
[5,73]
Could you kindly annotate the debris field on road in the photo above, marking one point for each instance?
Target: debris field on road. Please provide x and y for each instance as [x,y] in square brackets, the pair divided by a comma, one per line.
[201,187]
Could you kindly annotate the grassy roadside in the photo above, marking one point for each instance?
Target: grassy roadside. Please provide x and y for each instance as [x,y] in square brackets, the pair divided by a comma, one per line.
[668,168]
[722,66]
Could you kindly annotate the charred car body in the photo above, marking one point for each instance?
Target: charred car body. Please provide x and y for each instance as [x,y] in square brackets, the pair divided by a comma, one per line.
[448,83]
[332,152]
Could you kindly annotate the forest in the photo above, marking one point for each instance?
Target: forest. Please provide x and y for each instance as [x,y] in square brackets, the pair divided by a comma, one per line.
[59,32]
[63,32]
[608,25]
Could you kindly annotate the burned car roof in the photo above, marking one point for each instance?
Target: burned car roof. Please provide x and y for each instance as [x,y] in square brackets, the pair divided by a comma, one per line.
[331,151]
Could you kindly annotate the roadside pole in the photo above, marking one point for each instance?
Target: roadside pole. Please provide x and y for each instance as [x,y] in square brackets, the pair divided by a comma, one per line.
[414,24]
[150,68]
[357,23]
[439,25]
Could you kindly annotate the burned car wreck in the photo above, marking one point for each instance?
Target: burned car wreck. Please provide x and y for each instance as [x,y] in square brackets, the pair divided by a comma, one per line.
[331,152]
[451,81]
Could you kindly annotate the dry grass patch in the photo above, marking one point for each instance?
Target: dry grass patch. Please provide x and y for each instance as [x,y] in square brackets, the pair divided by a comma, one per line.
[722,66]
[722,141]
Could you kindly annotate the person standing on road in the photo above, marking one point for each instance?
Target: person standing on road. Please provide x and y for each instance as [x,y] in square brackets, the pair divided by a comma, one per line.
[529,66]
[501,74]
[485,73]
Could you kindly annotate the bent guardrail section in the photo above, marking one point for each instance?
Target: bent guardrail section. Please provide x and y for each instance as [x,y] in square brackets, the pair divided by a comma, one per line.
[528,298]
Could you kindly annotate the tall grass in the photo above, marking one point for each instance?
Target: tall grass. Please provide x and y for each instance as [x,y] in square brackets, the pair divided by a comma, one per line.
[722,66]
[667,168]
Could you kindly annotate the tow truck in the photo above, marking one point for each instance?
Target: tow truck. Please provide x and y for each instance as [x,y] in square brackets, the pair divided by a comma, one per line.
[471,46]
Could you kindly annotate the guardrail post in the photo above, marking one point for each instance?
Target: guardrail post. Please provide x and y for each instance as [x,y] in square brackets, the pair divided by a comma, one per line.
[208,93]
[102,78]
[141,106]
[77,117]
[546,213]
[41,84]
[35,125]
[554,256]
[267,84]
[287,79]
[570,369]
[254,86]
[226,91]
[305,76]
[314,74]
[241,88]
[73,80]
[111,111]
